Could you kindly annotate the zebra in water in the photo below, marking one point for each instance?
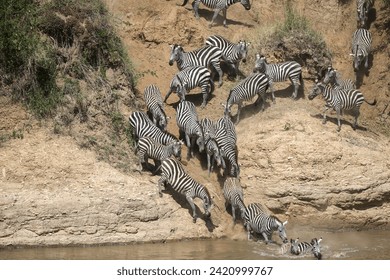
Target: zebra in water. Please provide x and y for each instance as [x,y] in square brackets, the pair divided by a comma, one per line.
[218,6]
[233,53]
[190,78]
[205,56]
[187,121]
[226,137]
[234,196]
[339,100]
[361,48]
[155,106]
[362,8]
[173,173]
[150,148]
[213,152]
[333,78]
[301,248]
[255,84]
[142,126]
[258,220]
[280,72]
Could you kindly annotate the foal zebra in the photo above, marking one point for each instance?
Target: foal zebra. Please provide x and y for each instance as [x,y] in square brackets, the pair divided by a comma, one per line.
[233,53]
[218,6]
[301,248]
[142,126]
[155,106]
[279,72]
[333,78]
[339,100]
[232,191]
[362,8]
[187,121]
[190,78]
[204,56]
[361,48]
[173,173]
[258,220]
[255,84]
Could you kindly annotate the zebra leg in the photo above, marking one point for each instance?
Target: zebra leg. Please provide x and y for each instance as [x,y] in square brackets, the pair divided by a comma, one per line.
[224,11]
[271,87]
[205,97]
[216,12]
[167,95]
[356,113]
[262,97]
[191,202]
[266,238]
[248,229]
[160,184]
[324,114]
[296,88]
[195,6]
[188,143]
[238,112]
[208,163]
[338,111]
[217,68]
[234,213]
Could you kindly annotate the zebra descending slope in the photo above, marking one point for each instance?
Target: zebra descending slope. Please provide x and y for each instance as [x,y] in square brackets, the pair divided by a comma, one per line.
[301,248]
[155,106]
[362,8]
[218,6]
[361,48]
[340,100]
[173,173]
[257,219]
[232,191]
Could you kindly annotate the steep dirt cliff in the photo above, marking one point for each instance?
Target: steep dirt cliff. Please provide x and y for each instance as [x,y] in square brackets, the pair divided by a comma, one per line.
[55,193]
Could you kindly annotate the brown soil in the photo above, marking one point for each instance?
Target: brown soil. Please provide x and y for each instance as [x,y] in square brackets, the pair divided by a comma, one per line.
[53,192]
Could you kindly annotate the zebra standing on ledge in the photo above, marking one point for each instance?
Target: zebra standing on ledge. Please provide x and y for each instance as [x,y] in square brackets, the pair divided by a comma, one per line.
[333,78]
[301,248]
[339,100]
[155,106]
[361,48]
[258,220]
[204,56]
[234,196]
[173,173]
[218,6]
[233,53]
[280,72]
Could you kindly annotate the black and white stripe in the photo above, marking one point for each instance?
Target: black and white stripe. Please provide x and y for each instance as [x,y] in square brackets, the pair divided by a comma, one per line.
[339,100]
[190,78]
[280,72]
[142,126]
[255,84]
[217,6]
[205,56]
[259,221]
[333,78]
[173,173]
[362,8]
[150,148]
[233,53]
[187,121]
[361,47]
[155,106]
[301,248]
[234,196]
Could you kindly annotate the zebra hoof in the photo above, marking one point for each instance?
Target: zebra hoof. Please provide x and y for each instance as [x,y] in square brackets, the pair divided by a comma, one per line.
[194,219]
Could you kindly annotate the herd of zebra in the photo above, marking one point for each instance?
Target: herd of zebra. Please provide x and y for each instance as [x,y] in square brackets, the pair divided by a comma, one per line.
[218,139]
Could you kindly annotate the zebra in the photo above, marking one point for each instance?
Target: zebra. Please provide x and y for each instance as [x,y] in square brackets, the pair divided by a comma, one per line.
[339,100]
[213,152]
[233,53]
[301,248]
[279,72]
[142,126]
[361,48]
[204,56]
[218,6]
[173,173]
[190,78]
[256,83]
[150,148]
[155,106]
[362,8]
[187,121]
[333,78]
[226,138]
[258,220]
[232,191]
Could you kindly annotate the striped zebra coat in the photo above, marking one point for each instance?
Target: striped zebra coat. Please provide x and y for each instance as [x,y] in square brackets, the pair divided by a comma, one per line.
[173,173]
[155,106]
[258,220]
[234,196]
[333,78]
[206,56]
[361,48]
[280,72]
[302,248]
[362,8]
[217,6]
[233,53]
[339,100]
[190,78]
[255,84]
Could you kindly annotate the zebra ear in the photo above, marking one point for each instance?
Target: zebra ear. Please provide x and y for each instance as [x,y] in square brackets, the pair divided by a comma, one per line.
[257,56]
[352,54]
[285,223]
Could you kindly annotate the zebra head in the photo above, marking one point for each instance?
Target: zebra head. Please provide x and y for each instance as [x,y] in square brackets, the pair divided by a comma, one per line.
[176,51]
[294,246]
[200,139]
[282,231]
[246,4]
[330,76]
[260,63]
[207,203]
[243,49]
[317,89]
[176,149]
[163,121]
[227,108]
[315,243]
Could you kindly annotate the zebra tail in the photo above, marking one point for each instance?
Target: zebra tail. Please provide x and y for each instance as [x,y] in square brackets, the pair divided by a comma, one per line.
[184,3]
[371,103]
